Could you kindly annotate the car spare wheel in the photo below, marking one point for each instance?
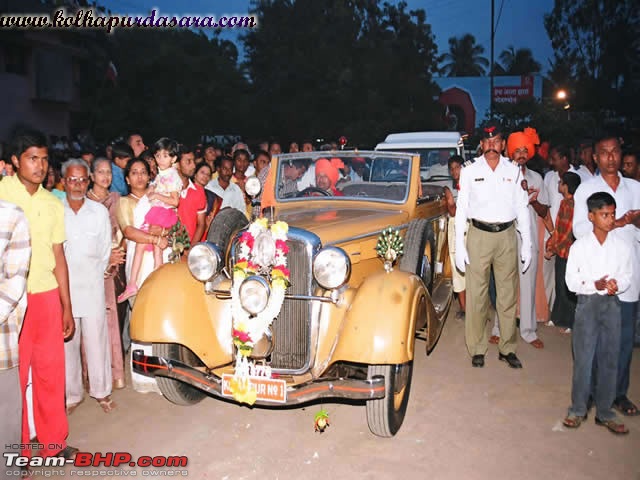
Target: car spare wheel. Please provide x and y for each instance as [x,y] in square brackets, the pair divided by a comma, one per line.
[226,222]
[174,390]
[385,415]
[415,260]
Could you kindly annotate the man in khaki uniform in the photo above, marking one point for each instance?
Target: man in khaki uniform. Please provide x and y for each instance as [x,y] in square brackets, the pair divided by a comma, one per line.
[491,198]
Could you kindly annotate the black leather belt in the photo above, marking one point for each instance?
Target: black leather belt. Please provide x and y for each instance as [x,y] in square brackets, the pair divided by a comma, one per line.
[491,227]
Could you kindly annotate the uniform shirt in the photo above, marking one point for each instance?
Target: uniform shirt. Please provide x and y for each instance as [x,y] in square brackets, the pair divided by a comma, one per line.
[551,182]
[534,180]
[492,196]
[193,201]
[589,261]
[87,251]
[15,253]
[627,197]
[45,214]
[232,196]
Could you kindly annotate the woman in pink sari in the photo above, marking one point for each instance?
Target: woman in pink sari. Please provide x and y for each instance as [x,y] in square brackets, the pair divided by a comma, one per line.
[101,176]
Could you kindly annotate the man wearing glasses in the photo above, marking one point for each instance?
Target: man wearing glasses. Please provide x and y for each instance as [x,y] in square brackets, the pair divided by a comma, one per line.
[48,319]
[87,249]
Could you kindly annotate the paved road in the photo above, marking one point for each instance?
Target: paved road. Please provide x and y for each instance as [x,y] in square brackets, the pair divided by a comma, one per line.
[462,423]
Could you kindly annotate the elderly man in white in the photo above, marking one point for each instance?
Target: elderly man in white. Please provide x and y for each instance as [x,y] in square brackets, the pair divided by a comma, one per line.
[87,250]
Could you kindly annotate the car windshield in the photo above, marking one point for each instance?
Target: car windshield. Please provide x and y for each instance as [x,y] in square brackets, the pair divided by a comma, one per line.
[433,161]
[377,176]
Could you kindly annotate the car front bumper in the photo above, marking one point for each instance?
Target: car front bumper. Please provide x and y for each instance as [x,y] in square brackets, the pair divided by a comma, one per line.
[351,389]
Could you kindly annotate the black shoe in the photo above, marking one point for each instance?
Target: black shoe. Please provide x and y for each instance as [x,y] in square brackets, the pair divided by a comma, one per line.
[478,361]
[511,359]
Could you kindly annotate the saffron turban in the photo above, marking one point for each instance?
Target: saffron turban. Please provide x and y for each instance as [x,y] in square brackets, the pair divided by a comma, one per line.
[528,139]
[330,169]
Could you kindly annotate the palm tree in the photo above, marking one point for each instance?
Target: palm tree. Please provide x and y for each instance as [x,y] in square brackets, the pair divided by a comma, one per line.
[464,58]
[519,62]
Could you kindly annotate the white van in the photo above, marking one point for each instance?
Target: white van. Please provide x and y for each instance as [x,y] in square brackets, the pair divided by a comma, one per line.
[435,149]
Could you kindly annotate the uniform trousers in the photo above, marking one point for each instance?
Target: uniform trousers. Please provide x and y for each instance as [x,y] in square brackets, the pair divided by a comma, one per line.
[92,333]
[528,317]
[41,347]
[487,249]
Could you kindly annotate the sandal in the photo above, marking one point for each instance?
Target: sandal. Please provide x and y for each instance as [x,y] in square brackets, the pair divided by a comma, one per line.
[68,453]
[130,291]
[625,407]
[613,426]
[537,343]
[72,406]
[494,339]
[573,421]
[107,404]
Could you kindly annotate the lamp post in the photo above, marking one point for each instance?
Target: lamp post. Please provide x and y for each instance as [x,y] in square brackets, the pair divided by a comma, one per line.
[563,96]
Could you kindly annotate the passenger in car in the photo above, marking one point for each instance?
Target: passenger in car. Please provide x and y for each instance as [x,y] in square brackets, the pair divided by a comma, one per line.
[327,175]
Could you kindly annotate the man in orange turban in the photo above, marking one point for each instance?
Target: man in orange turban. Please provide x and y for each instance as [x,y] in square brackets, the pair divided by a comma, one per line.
[521,148]
[328,174]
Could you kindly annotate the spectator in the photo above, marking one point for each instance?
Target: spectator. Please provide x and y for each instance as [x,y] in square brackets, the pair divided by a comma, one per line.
[293,147]
[630,166]
[564,306]
[41,341]
[451,195]
[121,153]
[192,208]
[114,278]
[53,178]
[307,146]
[587,167]
[210,156]
[136,143]
[87,250]
[626,193]
[598,269]
[202,177]
[148,157]
[263,164]
[15,254]
[224,188]
[275,148]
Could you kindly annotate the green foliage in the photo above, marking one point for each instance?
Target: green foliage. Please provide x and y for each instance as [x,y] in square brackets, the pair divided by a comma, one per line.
[519,62]
[340,68]
[464,58]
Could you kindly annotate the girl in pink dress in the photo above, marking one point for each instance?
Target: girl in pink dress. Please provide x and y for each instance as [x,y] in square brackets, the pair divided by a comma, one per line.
[164,195]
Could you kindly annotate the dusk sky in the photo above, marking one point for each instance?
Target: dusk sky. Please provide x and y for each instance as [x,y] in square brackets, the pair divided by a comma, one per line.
[520,24]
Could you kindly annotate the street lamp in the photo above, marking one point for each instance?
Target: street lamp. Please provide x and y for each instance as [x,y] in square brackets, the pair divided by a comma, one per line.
[563,96]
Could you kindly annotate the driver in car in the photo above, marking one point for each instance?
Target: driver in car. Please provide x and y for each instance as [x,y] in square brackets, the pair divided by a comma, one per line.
[327,175]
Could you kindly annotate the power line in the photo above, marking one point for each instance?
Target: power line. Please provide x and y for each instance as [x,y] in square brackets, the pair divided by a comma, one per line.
[499,15]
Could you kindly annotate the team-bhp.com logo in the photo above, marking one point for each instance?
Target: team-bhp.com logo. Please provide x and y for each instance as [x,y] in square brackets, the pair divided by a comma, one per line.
[98,459]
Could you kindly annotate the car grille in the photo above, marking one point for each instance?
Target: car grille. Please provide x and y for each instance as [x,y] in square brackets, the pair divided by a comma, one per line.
[291,330]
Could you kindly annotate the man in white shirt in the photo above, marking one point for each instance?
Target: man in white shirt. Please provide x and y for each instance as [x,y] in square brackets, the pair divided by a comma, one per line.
[587,168]
[521,148]
[559,156]
[87,250]
[222,186]
[626,193]
[491,197]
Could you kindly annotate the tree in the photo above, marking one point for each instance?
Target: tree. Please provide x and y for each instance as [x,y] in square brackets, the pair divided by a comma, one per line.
[464,58]
[599,40]
[519,62]
[331,68]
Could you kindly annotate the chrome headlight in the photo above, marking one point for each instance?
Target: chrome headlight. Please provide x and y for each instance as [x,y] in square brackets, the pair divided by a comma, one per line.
[252,186]
[331,268]
[204,261]
[254,294]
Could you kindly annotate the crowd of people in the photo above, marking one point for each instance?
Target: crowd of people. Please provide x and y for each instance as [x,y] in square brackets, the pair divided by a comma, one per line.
[80,232]
[561,246]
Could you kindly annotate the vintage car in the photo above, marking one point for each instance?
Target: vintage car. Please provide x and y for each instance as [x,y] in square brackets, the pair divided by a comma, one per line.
[336,316]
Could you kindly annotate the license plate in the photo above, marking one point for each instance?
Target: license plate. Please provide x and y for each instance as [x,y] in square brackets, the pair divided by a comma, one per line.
[267,389]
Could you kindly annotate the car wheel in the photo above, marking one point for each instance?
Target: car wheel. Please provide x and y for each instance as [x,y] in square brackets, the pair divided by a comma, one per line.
[174,390]
[385,415]
[414,259]
[226,222]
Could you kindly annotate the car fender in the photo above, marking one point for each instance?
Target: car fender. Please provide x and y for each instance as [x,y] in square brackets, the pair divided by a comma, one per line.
[173,307]
[380,325]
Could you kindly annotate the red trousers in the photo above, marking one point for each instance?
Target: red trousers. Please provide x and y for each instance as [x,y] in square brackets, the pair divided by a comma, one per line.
[41,347]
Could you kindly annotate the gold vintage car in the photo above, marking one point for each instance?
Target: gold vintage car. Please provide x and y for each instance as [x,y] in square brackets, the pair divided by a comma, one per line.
[344,315]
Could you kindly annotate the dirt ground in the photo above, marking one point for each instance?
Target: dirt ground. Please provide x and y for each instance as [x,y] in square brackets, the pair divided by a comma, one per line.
[462,423]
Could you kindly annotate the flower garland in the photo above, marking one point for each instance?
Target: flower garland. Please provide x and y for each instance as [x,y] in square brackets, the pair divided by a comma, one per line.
[255,261]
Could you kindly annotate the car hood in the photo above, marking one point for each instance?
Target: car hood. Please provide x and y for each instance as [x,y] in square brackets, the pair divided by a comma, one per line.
[334,225]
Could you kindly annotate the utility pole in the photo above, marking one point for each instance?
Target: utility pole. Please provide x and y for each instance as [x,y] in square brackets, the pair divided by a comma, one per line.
[493,34]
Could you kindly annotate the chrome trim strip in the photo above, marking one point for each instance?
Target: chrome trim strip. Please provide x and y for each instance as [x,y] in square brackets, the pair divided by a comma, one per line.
[352,389]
